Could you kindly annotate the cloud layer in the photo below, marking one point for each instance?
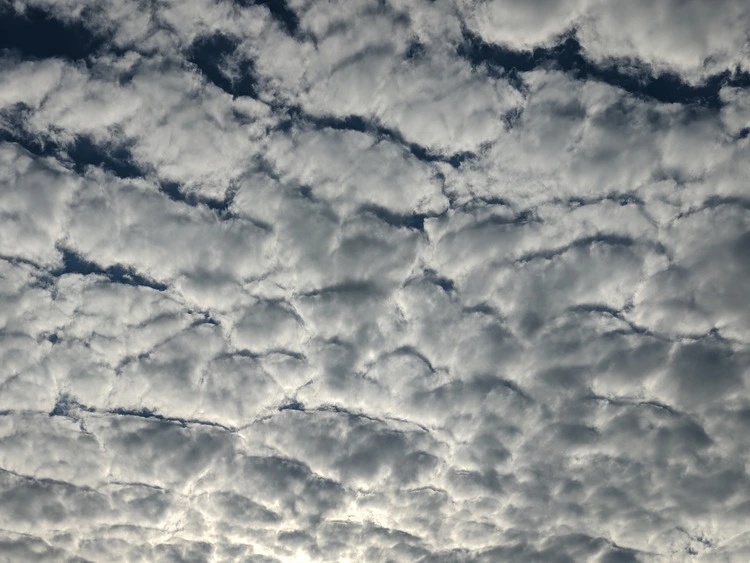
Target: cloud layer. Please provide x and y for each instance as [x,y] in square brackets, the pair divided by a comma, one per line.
[374,281]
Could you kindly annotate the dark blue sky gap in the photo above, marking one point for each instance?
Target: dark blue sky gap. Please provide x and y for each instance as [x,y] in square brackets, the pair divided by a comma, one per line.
[280,11]
[362,125]
[82,153]
[37,34]
[66,405]
[292,405]
[567,56]
[415,50]
[15,134]
[118,160]
[208,54]
[174,192]
[413,221]
[76,264]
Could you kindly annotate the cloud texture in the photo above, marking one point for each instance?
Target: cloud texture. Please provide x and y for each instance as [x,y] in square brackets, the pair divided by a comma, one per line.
[452,281]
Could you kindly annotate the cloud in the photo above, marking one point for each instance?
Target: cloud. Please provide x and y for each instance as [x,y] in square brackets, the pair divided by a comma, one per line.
[686,38]
[373,281]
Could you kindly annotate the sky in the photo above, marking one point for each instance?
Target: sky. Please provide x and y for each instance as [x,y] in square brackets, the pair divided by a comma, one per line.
[374,281]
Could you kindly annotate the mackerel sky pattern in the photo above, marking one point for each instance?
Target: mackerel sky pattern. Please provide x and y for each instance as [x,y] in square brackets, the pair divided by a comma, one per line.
[374,281]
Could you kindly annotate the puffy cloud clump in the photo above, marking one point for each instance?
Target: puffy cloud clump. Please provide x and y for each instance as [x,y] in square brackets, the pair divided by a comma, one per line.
[374,281]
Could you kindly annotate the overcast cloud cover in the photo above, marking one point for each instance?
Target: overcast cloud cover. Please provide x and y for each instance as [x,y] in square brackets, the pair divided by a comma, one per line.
[394,280]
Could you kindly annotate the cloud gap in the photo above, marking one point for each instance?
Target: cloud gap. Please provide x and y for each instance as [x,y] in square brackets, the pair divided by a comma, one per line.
[74,263]
[37,34]
[567,55]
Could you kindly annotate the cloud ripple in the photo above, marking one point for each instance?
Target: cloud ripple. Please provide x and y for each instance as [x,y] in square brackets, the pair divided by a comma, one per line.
[374,281]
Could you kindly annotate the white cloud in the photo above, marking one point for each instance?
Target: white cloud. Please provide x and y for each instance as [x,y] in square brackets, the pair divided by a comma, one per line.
[524,25]
[33,200]
[691,38]
[304,325]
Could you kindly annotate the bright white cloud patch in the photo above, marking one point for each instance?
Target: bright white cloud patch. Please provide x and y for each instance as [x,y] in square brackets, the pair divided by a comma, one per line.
[374,281]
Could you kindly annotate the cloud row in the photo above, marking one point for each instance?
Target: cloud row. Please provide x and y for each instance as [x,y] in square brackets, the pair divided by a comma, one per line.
[388,281]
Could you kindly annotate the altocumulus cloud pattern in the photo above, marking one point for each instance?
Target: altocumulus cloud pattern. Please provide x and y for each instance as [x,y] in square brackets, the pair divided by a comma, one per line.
[374,281]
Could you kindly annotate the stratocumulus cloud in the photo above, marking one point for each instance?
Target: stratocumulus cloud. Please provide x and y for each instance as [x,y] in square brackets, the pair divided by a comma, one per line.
[374,281]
